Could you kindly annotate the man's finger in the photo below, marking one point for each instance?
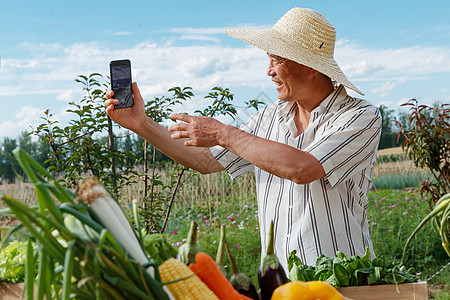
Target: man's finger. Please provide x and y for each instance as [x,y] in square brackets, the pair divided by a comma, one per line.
[109,102]
[190,143]
[182,117]
[179,135]
[178,127]
[109,108]
[136,91]
[109,94]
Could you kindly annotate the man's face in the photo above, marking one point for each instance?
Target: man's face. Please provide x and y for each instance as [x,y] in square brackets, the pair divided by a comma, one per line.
[290,77]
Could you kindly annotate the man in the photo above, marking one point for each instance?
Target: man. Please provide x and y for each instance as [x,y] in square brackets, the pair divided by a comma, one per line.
[312,151]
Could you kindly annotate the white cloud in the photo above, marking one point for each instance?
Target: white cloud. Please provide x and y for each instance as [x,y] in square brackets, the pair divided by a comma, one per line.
[19,64]
[382,90]
[28,113]
[160,67]
[23,120]
[198,37]
[9,129]
[198,31]
[50,69]
[70,95]
[373,64]
[361,67]
[213,30]
[26,90]
[155,68]
[198,66]
[123,33]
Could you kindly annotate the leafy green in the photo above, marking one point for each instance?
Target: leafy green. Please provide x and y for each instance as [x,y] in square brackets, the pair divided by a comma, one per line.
[12,262]
[350,271]
[158,248]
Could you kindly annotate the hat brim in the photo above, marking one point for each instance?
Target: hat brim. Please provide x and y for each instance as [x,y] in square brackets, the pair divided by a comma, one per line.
[275,43]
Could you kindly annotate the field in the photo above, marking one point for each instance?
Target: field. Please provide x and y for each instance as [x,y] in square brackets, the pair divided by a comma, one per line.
[394,170]
[389,151]
[213,199]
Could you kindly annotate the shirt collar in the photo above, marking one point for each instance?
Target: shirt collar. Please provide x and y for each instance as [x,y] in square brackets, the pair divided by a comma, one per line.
[334,100]
[287,109]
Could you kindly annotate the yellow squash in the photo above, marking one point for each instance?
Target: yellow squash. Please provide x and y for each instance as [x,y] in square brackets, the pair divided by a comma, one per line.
[311,290]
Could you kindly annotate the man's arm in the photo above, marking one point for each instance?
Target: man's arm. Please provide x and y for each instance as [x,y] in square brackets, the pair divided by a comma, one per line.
[135,119]
[197,158]
[276,158]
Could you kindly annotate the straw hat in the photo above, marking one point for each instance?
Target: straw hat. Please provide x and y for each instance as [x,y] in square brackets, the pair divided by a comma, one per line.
[301,35]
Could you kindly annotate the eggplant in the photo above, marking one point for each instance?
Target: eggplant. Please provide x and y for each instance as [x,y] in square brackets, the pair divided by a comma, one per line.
[270,273]
[187,251]
[239,280]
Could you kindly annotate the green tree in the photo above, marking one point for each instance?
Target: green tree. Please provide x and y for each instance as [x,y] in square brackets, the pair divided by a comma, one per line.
[26,144]
[388,137]
[127,146]
[43,153]
[78,148]
[8,165]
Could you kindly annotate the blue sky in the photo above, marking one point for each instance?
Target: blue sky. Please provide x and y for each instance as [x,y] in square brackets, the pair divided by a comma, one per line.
[391,50]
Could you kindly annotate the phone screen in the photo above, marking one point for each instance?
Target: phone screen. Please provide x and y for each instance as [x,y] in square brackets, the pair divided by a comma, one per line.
[121,82]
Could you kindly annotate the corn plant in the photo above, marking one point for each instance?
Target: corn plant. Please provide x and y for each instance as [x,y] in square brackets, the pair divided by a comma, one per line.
[77,256]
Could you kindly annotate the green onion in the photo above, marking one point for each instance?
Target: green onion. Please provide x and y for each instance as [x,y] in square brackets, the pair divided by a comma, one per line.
[441,219]
[30,269]
[79,253]
[110,213]
[68,270]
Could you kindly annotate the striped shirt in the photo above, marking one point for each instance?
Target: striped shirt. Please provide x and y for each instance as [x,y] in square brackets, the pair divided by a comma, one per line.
[329,214]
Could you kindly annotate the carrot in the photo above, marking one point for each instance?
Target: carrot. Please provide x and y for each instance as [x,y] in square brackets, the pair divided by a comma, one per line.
[206,268]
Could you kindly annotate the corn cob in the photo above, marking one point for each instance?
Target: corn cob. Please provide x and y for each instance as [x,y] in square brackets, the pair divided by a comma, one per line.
[190,288]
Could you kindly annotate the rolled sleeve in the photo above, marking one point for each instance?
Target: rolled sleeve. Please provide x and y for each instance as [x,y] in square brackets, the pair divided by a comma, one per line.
[349,146]
[232,163]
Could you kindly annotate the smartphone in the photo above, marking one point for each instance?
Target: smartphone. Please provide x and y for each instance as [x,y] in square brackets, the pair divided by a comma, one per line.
[121,82]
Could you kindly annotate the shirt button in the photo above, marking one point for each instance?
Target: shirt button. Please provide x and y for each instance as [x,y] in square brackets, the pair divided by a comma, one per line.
[288,235]
[290,207]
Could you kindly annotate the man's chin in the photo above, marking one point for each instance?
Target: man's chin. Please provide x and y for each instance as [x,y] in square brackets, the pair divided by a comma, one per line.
[283,98]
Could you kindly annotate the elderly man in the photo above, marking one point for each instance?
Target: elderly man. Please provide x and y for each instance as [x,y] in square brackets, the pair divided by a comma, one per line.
[312,151]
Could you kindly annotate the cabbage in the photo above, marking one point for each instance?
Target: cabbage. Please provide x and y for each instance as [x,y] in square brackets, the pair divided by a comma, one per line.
[12,262]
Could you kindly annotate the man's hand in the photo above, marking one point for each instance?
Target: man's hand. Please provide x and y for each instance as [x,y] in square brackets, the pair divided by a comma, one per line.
[130,117]
[201,131]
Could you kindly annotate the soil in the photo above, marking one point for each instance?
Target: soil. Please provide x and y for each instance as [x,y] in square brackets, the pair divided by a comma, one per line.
[8,222]
[434,289]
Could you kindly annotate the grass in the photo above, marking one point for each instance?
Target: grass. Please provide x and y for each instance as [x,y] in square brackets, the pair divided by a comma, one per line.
[394,170]
[393,215]
[398,181]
